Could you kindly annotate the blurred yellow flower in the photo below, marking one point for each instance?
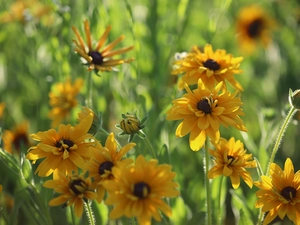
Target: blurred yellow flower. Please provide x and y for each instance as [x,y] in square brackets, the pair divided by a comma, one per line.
[137,190]
[279,195]
[24,10]
[103,159]
[63,99]
[253,25]
[212,67]
[65,150]
[17,138]
[2,107]
[203,110]
[74,189]
[231,160]
[99,60]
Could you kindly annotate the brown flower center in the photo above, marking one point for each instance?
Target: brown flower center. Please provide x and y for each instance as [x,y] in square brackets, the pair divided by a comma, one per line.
[64,144]
[141,190]
[108,165]
[78,186]
[230,160]
[97,58]
[288,193]
[255,28]
[211,64]
[204,105]
[20,140]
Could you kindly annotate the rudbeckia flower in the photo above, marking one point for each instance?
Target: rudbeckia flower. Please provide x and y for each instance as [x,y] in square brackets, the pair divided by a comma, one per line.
[73,189]
[103,159]
[63,98]
[64,150]
[253,26]
[17,138]
[99,58]
[203,110]
[231,160]
[279,193]
[137,190]
[211,66]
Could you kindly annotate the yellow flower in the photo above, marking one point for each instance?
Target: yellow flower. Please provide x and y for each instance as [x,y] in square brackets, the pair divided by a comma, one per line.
[253,25]
[99,60]
[103,159]
[17,138]
[231,160]
[63,100]
[96,125]
[138,190]
[212,67]
[74,189]
[280,193]
[24,10]
[65,151]
[2,107]
[203,110]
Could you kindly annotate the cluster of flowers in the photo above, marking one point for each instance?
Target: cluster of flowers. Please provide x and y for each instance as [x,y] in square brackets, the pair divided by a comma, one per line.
[85,170]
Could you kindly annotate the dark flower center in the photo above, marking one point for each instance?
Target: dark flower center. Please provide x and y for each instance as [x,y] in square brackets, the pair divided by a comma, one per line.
[20,140]
[141,190]
[96,57]
[288,193]
[204,106]
[255,28]
[211,64]
[105,166]
[67,142]
[78,186]
[230,160]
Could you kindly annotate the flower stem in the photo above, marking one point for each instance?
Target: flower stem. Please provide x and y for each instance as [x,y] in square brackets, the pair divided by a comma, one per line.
[89,101]
[89,213]
[207,185]
[150,147]
[219,202]
[289,116]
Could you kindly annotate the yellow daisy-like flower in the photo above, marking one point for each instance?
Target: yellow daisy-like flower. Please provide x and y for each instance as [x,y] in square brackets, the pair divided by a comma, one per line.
[231,160]
[99,60]
[212,67]
[253,25]
[103,159]
[24,10]
[63,99]
[280,193]
[65,150]
[17,138]
[137,190]
[203,110]
[74,189]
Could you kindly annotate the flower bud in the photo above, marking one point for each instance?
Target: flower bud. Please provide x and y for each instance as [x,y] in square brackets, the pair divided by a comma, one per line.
[294,98]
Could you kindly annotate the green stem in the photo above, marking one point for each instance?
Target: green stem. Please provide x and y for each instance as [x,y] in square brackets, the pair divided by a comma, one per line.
[280,136]
[89,101]
[89,213]
[72,215]
[133,222]
[207,185]
[219,213]
[150,147]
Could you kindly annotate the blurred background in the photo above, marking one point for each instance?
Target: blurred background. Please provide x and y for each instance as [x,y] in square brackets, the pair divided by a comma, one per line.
[36,52]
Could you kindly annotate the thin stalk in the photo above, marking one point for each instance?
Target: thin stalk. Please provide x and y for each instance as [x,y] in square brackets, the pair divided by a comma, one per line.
[133,222]
[89,100]
[289,116]
[219,213]
[207,185]
[89,213]
[72,215]
[150,147]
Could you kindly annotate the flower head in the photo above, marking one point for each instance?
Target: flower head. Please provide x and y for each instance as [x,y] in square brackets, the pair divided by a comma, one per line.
[138,190]
[74,189]
[103,160]
[279,195]
[212,67]
[203,110]
[17,138]
[63,99]
[64,150]
[99,60]
[231,160]
[132,125]
[253,25]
